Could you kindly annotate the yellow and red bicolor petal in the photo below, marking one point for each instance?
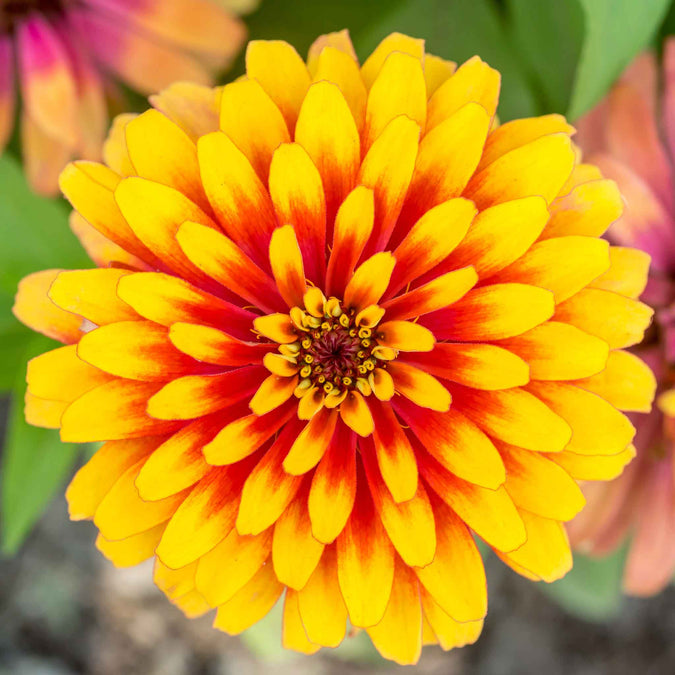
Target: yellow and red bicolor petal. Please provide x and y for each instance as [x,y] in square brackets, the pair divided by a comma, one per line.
[365,558]
[287,265]
[491,514]
[473,81]
[298,197]
[458,444]
[530,480]
[252,120]
[420,387]
[178,462]
[410,523]
[481,366]
[241,203]
[161,151]
[559,351]
[92,294]
[268,490]
[387,169]
[205,343]
[245,435]
[114,410]
[333,489]
[311,443]
[193,396]
[337,155]
[295,552]
[395,455]
[353,227]
[499,235]
[205,517]
[492,312]
[226,263]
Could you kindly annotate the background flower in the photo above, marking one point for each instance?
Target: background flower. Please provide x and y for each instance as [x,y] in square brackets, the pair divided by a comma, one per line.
[66,56]
[439,343]
[630,136]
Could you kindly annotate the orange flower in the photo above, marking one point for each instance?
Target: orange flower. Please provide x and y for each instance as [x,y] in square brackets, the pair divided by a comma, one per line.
[67,52]
[339,327]
[631,137]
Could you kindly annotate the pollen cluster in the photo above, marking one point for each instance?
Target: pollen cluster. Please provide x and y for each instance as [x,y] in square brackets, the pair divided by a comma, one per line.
[337,348]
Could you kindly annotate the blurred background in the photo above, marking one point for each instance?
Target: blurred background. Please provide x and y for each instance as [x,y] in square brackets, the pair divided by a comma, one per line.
[65,610]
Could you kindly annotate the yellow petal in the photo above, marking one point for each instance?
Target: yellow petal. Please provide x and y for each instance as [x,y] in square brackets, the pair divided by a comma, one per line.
[369,281]
[501,234]
[229,566]
[132,550]
[295,552]
[282,74]
[474,81]
[586,258]
[619,321]
[356,414]
[395,42]
[405,336]
[287,267]
[626,382]
[398,635]
[531,479]
[558,351]
[252,120]
[538,168]
[627,274]
[251,603]
[398,89]
[598,428]
[273,392]
[420,387]
[323,611]
[456,578]
[162,152]
[293,635]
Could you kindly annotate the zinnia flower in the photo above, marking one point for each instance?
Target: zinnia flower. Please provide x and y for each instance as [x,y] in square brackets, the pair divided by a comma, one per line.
[67,54]
[631,137]
[338,328]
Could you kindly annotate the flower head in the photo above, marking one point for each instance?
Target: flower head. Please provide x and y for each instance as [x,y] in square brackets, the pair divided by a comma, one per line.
[338,328]
[67,54]
[630,137]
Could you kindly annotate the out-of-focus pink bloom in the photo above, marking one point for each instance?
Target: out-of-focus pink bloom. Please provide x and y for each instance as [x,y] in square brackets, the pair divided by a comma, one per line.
[631,137]
[66,56]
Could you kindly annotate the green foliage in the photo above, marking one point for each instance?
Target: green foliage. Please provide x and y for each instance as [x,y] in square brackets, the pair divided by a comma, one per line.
[615,32]
[548,38]
[35,236]
[592,589]
[35,463]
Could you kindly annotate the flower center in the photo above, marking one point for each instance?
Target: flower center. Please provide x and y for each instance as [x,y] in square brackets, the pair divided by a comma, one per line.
[12,11]
[337,353]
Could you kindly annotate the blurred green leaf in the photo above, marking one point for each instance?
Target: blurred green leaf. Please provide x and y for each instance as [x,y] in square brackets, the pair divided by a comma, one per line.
[592,589]
[458,30]
[615,32]
[35,235]
[34,230]
[548,37]
[35,463]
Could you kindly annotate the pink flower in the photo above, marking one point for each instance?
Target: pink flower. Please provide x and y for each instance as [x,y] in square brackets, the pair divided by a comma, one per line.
[67,54]
[630,136]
